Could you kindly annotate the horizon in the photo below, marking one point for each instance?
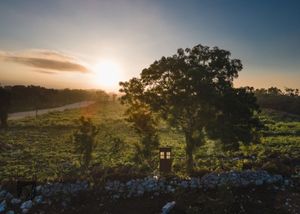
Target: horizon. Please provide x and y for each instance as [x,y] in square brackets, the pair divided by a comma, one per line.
[96,44]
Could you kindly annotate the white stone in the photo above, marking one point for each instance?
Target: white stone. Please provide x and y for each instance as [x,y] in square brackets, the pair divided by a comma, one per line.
[38,188]
[15,201]
[8,196]
[168,207]
[26,205]
[259,182]
[38,199]
[24,211]
[3,193]
[2,206]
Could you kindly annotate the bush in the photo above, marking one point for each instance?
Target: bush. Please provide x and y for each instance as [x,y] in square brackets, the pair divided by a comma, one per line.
[277,167]
[84,139]
[200,172]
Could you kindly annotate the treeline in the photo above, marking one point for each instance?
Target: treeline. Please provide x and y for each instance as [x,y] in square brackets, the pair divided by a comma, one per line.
[287,100]
[24,98]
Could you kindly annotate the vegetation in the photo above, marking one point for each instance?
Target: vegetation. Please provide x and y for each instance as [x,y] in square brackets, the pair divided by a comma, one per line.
[195,118]
[41,147]
[25,98]
[84,139]
[274,98]
[193,91]
[144,124]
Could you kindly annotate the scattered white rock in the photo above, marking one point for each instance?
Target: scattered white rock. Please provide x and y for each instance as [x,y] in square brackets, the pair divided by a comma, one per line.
[156,186]
[26,205]
[2,206]
[38,199]
[168,207]
[38,188]
[8,196]
[286,182]
[15,201]
[3,193]
[259,182]
[24,211]
[51,189]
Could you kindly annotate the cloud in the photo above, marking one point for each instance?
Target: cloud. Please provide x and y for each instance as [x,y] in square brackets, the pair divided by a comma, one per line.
[45,71]
[47,60]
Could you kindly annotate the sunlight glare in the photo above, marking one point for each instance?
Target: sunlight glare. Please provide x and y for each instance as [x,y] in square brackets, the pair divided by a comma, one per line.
[108,74]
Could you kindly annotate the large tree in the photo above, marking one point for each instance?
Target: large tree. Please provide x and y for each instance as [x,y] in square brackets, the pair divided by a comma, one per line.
[193,90]
[4,106]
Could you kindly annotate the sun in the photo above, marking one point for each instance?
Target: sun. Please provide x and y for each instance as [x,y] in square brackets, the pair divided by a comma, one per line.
[108,74]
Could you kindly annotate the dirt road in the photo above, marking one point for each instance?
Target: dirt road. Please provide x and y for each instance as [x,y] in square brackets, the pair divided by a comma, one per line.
[20,115]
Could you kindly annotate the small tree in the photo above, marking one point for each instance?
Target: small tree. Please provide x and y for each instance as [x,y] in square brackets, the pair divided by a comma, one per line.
[115,149]
[146,149]
[4,106]
[85,140]
[144,124]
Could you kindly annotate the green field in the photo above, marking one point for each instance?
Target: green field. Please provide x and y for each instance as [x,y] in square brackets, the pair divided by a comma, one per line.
[41,146]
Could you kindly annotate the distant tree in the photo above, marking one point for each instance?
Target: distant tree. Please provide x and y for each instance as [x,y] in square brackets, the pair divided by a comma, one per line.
[274,91]
[101,96]
[114,96]
[193,91]
[4,106]
[273,98]
[291,92]
[25,98]
[85,140]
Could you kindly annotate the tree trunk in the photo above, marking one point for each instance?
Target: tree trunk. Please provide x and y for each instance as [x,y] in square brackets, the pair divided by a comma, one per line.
[3,119]
[189,152]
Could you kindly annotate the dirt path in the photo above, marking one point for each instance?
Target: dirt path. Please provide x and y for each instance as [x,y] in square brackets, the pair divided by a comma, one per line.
[20,115]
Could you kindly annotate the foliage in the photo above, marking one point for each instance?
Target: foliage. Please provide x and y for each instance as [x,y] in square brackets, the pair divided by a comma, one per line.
[24,98]
[274,98]
[40,146]
[85,140]
[144,124]
[193,91]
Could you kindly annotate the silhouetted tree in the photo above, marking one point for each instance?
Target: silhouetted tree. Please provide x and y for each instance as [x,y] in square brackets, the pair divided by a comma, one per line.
[101,96]
[193,90]
[291,92]
[25,98]
[4,106]
[114,96]
[85,140]
[145,126]
[274,91]
[273,98]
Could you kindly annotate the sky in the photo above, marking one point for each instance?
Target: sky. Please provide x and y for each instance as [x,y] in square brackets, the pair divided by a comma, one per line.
[97,43]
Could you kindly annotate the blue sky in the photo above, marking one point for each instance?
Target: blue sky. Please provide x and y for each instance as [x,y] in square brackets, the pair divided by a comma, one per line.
[128,35]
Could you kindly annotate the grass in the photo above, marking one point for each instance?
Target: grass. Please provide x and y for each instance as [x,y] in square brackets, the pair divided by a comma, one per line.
[40,146]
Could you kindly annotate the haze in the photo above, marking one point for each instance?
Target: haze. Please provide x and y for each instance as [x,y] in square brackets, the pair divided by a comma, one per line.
[96,44]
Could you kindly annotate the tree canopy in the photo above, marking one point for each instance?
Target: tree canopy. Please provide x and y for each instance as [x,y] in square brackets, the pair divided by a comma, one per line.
[274,98]
[193,90]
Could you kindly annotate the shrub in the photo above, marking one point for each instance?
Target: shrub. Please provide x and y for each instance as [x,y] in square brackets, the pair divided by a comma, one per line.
[277,167]
[84,139]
